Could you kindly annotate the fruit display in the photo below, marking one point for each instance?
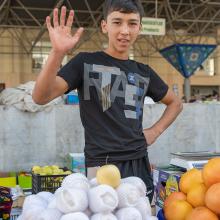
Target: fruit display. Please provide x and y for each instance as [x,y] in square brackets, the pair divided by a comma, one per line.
[199,195]
[49,170]
[107,196]
[47,178]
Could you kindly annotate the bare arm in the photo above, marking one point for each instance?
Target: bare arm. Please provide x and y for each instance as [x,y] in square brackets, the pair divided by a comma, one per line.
[174,107]
[48,85]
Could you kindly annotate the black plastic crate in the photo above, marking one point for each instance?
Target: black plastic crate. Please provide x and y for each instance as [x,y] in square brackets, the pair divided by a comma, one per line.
[49,183]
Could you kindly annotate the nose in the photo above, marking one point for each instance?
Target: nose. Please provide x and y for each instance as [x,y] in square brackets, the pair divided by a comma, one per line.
[124,29]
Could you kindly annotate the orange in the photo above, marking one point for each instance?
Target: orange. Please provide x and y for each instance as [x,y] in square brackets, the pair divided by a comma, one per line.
[202,213]
[196,195]
[212,198]
[189,179]
[172,197]
[211,172]
[177,210]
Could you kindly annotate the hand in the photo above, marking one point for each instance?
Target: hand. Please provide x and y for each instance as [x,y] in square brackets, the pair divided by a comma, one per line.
[60,34]
[150,135]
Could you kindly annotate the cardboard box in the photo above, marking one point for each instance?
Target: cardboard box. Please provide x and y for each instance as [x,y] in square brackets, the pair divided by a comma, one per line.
[25,182]
[76,162]
[11,179]
[166,181]
[8,179]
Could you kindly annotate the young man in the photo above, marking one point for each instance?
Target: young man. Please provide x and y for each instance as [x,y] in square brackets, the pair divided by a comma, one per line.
[111,90]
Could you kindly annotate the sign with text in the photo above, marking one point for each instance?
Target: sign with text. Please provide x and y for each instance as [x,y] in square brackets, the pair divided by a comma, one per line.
[153,26]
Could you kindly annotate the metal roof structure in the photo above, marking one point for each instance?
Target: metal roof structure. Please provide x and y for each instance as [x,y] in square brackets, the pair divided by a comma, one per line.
[185,19]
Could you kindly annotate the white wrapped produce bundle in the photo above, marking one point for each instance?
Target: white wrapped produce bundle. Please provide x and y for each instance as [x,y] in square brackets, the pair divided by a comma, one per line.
[75,216]
[32,213]
[34,201]
[144,207]
[128,213]
[128,195]
[81,199]
[52,204]
[93,182]
[138,182]
[102,198]
[58,190]
[103,216]
[76,180]
[48,196]
[50,214]
[72,200]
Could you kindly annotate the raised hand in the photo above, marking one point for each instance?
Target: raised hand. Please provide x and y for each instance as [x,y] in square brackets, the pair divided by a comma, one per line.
[60,34]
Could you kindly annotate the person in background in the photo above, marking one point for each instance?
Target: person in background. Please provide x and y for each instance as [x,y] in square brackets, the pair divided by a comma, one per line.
[111,90]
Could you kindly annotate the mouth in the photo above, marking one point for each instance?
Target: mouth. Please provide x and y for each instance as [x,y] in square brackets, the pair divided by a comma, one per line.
[123,41]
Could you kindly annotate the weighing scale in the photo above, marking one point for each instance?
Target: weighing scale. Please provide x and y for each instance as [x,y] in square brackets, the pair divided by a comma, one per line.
[189,160]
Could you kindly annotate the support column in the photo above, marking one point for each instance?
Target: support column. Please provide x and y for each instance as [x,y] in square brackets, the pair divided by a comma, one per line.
[217,56]
[217,53]
[187,89]
[217,61]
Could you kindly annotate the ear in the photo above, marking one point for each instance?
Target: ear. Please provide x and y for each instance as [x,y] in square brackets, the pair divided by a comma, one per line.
[140,28]
[104,27]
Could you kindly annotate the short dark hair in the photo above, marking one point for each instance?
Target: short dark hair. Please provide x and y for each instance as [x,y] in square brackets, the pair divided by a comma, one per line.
[124,6]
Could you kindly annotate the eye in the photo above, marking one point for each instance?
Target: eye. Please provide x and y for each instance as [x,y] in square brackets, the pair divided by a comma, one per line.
[117,22]
[133,24]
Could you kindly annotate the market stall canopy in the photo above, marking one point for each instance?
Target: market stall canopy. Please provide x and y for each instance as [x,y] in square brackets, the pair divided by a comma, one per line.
[186,58]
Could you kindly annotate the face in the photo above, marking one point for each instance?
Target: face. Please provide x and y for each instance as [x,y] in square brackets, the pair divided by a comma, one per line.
[122,30]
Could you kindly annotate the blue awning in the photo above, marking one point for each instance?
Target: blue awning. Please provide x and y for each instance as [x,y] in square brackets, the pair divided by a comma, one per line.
[186,58]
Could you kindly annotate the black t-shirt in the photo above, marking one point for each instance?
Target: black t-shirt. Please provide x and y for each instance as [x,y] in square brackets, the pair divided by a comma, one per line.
[111,94]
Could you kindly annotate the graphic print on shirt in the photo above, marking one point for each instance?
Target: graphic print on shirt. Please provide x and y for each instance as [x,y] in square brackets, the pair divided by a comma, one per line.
[131,88]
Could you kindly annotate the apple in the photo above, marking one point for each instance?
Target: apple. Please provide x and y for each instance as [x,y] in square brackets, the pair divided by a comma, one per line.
[109,174]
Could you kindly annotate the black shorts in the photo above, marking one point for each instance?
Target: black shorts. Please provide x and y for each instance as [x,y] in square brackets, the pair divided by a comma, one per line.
[140,168]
